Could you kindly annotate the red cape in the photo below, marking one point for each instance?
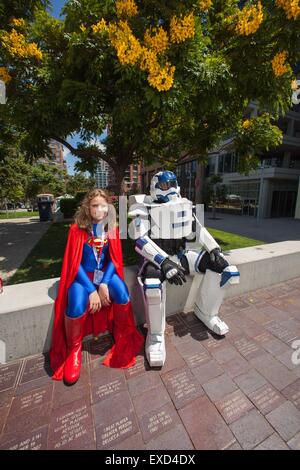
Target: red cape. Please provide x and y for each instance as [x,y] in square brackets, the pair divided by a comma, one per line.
[97,323]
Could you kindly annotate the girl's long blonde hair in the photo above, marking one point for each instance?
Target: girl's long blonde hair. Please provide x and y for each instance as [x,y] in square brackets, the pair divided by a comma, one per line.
[83,216]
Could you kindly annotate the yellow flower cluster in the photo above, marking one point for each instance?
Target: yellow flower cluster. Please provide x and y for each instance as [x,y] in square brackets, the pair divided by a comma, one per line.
[249,19]
[100,26]
[126,7]
[148,60]
[291,8]
[82,27]
[205,4]
[278,64]
[182,28]
[156,39]
[127,46]
[246,124]
[4,75]
[131,52]
[159,77]
[18,22]
[162,78]
[15,43]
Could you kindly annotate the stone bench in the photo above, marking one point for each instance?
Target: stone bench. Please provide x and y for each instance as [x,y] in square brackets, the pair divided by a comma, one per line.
[26,310]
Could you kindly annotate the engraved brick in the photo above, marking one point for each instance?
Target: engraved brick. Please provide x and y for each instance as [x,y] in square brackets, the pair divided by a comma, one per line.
[292,393]
[115,420]
[35,368]
[31,440]
[71,427]
[233,406]
[9,375]
[182,386]
[158,421]
[266,398]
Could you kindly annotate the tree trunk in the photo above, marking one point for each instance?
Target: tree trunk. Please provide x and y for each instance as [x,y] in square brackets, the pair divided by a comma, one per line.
[118,187]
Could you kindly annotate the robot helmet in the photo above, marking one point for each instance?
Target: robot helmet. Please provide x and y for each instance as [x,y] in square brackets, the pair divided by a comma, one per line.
[163,186]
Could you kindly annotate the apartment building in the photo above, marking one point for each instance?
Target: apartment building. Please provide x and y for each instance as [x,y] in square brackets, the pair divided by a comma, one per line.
[273,189]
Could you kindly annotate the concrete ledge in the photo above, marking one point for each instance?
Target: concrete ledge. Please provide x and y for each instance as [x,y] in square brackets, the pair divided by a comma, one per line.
[26,310]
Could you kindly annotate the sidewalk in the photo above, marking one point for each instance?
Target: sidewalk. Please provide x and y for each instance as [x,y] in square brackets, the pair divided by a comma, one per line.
[242,391]
[266,230]
[17,239]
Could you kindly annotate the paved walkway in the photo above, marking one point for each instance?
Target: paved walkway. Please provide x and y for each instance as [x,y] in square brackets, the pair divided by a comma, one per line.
[266,230]
[17,239]
[242,391]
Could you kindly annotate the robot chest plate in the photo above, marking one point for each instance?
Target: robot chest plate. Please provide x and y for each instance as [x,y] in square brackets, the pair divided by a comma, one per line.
[171,220]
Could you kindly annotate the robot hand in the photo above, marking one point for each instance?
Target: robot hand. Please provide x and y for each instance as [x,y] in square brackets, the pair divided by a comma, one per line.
[218,259]
[173,272]
[215,261]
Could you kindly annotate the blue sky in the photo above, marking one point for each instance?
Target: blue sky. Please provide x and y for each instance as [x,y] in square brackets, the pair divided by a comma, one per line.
[71,160]
[56,7]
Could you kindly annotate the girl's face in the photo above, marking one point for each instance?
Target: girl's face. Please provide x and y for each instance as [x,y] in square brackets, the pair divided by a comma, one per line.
[98,208]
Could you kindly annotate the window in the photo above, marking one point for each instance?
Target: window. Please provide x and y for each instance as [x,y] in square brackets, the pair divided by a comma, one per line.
[221,164]
[227,163]
[296,129]
[295,161]
[282,123]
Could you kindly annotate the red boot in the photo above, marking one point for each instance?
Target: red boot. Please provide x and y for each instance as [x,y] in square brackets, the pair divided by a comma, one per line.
[128,340]
[74,333]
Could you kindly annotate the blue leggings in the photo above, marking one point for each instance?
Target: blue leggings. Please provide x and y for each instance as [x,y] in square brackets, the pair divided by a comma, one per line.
[78,296]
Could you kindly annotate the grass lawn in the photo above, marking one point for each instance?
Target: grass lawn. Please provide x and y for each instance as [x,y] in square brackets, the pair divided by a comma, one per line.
[17,215]
[45,259]
[231,241]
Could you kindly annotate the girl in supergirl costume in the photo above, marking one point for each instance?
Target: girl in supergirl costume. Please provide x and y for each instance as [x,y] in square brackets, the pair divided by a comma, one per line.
[92,295]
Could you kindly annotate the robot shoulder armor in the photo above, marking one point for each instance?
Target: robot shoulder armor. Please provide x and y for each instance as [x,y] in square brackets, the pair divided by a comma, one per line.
[138,209]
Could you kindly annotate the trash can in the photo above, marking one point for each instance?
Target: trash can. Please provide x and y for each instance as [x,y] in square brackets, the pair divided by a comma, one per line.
[45,203]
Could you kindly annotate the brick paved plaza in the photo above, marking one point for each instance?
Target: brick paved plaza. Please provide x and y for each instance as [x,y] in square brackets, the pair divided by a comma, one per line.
[242,391]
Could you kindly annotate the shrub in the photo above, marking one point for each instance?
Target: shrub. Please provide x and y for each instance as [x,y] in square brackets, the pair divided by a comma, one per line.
[68,207]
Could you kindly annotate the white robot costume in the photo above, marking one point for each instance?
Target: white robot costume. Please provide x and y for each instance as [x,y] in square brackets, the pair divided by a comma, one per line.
[162,224]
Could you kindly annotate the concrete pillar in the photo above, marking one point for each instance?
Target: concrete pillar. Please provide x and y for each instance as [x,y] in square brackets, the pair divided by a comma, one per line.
[217,164]
[297,211]
[290,127]
[286,159]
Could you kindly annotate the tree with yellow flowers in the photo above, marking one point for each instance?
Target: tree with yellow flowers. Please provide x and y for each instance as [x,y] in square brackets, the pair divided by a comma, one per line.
[167,78]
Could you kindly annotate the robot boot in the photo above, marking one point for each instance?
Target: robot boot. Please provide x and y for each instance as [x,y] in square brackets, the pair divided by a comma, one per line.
[155,297]
[211,295]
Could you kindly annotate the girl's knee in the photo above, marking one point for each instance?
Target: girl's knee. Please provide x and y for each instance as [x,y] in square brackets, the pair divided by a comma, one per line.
[118,290]
[77,300]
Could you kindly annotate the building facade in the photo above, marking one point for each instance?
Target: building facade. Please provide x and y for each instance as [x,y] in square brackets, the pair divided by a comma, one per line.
[102,174]
[273,190]
[57,151]
[132,180]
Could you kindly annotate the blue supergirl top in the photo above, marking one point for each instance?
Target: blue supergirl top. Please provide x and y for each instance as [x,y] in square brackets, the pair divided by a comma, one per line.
[89,263]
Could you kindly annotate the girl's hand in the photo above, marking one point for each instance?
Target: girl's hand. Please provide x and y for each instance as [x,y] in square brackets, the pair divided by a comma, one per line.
[95,302]
[104,295]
